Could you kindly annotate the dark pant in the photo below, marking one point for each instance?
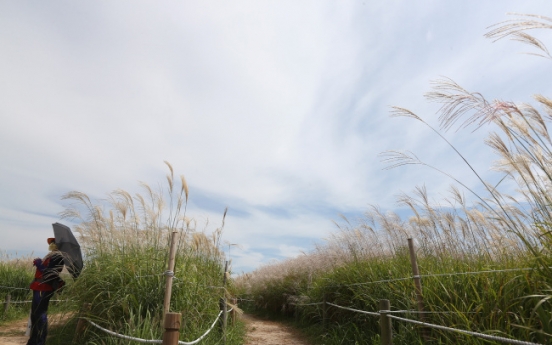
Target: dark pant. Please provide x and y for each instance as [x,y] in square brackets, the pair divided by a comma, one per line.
[39,318]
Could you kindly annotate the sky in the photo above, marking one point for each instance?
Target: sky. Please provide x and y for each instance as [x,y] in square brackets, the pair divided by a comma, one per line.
[277,110]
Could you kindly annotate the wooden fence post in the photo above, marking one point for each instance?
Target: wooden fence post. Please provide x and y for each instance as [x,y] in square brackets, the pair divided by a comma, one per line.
[223,305]
[81,324]
[169,276]
[223,322]
[7,303]
[418,284]
[385,323]
[172,328]
[225,273]
[234,313]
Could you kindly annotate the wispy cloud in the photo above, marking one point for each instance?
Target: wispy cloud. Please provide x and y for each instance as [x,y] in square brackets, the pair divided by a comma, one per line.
[275,109]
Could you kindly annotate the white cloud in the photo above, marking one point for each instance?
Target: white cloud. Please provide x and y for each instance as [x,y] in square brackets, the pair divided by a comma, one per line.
[277,109]
[291,251]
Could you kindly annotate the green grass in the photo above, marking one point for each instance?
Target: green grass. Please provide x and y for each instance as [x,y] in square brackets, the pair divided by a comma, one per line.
[15,277]
[477,302]
[126,243]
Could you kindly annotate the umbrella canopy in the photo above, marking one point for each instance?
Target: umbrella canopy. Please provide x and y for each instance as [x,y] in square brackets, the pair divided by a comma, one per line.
[68,245]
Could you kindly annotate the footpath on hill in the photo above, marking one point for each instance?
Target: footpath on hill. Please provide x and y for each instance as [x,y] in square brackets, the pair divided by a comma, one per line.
[265,332]
[13,333]
[259,331]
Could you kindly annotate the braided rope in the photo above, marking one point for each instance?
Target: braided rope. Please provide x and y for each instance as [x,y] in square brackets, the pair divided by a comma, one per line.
[297,304]
[377,281]
[355,310]
[122,336]
[477,272]
[153,341]
[475,334]
[204,335]
[52,300]
[13,288]
[431,312]
[167,273]
[437,275]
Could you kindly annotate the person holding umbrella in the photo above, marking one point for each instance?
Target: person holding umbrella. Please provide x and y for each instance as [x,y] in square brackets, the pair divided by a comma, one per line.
[45,283]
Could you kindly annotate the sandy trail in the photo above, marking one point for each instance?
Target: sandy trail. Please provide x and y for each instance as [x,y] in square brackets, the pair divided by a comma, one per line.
[13,333]
[259,332]
[264,332]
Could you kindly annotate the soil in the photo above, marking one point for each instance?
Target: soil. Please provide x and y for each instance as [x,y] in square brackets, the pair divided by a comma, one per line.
[259,332]
[266,332]
[13,333]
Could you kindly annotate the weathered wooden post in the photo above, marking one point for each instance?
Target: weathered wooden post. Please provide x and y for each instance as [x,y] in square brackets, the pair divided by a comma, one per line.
[223,322]
[385,323]
[172,328]
[225,274]
[169,275]
[234,313]
[418,284]
[7,303]
[224,306]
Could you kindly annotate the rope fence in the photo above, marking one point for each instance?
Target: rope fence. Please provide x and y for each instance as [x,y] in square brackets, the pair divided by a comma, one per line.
[126,337]
[479,272]
[52,300]
[374,282]
[154,341]
[389,311]
[388,314]
[430,312]
[13,288]
[204,335]
[436,275]
[354,310]
[171,321]
[301,304]
[170,274]
[474,334]
[122,336]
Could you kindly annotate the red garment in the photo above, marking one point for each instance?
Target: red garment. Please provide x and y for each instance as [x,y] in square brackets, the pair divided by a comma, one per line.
[47,273]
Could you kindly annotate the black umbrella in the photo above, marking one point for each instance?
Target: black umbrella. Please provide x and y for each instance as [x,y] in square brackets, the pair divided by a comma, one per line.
[68,245]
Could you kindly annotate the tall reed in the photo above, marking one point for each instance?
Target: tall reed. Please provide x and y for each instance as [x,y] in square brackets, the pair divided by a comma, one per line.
[501,231]
[126,242]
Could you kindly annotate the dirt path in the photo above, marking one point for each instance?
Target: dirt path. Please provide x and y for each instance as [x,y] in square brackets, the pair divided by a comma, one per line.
[263,332]
[13,333]
[259,332]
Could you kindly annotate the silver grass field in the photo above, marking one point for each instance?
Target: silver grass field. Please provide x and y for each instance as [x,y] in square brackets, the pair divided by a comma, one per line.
[126,240]
[501,242]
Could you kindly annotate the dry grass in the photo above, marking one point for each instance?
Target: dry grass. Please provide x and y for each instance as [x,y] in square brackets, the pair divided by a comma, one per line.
[126,240]
[503,229]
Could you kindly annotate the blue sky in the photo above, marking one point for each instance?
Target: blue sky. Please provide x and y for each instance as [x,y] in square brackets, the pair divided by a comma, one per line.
[276,109]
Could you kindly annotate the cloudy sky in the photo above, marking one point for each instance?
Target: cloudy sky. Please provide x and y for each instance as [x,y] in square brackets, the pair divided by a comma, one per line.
[276,109]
